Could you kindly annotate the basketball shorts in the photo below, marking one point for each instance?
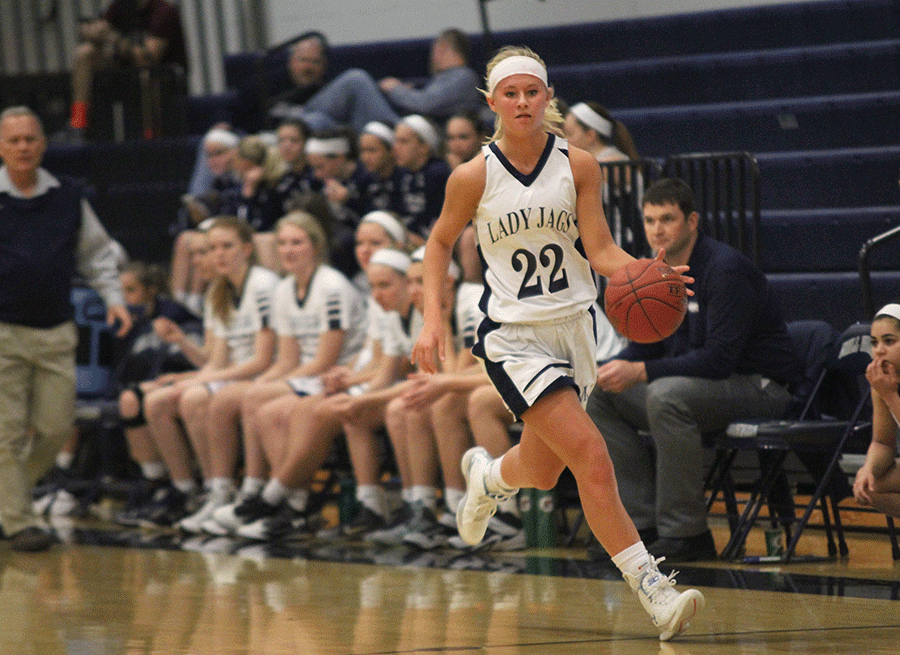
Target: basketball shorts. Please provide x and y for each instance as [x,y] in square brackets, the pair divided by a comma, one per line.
[306,386]
[525,361]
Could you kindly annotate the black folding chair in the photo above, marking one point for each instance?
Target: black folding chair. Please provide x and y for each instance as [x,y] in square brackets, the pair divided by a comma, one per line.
[833,415]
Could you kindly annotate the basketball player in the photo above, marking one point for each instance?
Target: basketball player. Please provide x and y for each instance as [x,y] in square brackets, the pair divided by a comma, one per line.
[540,227]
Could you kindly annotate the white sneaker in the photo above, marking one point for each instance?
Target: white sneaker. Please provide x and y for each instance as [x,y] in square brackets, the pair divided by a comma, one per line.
[55,503]
[670,611]
[194,523]
[478,504]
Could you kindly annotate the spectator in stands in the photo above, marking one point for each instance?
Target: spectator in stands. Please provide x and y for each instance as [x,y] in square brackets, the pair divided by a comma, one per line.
[465,136]
[307,66]
[333,161]
[297,181]
[140,33]
[258,168]
[732,357]
[56,236]
[877,482]
[591,127]
[354,98]
[240,345]
[214,175]
[423,177]
[376,154]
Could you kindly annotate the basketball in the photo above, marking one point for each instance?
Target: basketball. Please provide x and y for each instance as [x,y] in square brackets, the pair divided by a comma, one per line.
[645,301]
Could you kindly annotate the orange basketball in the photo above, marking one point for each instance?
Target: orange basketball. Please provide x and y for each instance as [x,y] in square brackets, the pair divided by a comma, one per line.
[645,301]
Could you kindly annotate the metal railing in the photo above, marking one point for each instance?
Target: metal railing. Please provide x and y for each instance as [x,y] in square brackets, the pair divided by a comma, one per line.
[726,188]
[40,37]
[623,191]
[865,277]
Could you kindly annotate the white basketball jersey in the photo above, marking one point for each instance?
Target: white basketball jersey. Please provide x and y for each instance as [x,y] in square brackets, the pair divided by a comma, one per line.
[400,333]
[331,303]
[252,313]
[528,236]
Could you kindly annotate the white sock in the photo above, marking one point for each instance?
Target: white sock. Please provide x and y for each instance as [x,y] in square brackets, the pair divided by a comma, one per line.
[221,486]
[274,492]
[64,459]
[252,486]
[372,497]
[406,495]
[187,486]
[633,560]
[452,498]
[493,479]
[297,499]
[425,495]
[153,470]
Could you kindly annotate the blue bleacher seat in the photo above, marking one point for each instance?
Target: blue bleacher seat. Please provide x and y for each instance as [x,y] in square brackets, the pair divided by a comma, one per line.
[94,354]
[818,122]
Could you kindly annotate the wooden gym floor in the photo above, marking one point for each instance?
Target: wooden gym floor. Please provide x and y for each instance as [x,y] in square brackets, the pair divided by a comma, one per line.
[106,591]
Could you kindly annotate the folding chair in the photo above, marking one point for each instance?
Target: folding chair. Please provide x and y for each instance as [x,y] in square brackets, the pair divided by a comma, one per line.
[829,419]
[814,345]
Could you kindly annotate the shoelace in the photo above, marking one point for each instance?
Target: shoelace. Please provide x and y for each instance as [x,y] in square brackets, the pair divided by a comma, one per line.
[487,504]
[662,582]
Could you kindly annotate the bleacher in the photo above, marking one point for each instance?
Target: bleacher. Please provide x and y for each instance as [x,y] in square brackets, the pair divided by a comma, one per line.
[812,89]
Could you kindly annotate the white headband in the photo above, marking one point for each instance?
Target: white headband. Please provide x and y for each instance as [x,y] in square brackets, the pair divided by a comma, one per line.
[334,146]
[222,137]
[517,65]
[390,224]
[380,130]
[891,309]
[453,269]
[391,258]
[421,126]
[592,119]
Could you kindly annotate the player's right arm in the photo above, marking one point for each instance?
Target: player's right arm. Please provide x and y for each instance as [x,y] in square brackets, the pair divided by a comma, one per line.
[464,190]
[603,254]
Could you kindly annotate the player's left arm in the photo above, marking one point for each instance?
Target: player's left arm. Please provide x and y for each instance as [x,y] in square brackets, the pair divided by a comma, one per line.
[604,255]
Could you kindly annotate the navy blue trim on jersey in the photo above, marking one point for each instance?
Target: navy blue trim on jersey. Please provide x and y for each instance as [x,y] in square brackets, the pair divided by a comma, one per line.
[527,180]
[564,365]
[333,311]
[486,293]
[593,314]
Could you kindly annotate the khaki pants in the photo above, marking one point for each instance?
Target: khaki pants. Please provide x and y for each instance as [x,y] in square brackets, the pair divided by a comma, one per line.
[37,405]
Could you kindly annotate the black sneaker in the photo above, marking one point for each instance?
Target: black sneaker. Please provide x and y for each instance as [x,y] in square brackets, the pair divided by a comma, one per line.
[169,505]
[285,523]
[429,532]
[245,510]
[393,530]
[140,495]
[32,540]
[364,522]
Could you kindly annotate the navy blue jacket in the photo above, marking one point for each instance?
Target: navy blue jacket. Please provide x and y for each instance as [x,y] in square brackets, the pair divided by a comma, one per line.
[734,324]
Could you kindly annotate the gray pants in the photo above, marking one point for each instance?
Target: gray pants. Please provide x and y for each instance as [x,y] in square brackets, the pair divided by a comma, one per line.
[675,411]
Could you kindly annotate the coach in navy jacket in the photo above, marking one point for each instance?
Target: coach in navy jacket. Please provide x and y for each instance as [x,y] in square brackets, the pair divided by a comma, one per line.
[48,234]
[731,358]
